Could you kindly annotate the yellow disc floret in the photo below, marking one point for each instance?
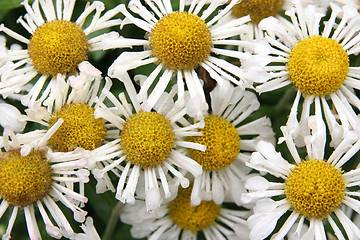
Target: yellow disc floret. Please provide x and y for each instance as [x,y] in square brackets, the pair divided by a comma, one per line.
[318,65]
[192,218]
[222,141]
[181,40]
[58,47]
[79,129]
[315,188]
[24,179]
[147,139]
[257,9]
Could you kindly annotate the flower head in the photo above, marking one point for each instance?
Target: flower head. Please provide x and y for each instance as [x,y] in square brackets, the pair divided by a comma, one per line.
[46,54]
[72,120]
[178,43]
[318,66]
[229,142]
[177,217]
[194,40]
[148,146]
[79,129]
[58,47]
[311,188]
[31,175]
[315,188]
[315,60]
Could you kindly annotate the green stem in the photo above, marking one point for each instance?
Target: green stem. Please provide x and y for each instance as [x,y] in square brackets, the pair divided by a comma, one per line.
[115,214]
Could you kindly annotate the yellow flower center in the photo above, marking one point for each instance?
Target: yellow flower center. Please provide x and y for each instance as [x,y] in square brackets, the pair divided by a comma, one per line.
[24,179]
[315,188]
[181,40]
[147,139]
[318,65]
[58,47]
[258,9]
[79,129]
[222,141]
[191,218]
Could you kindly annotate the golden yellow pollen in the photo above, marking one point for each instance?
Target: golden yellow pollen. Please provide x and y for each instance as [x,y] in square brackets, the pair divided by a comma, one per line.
[79,129]
[24,179]
[181,40]
[58,47]
[318,65]
[222,141]
[147,139]
[315,188]
[257,9]
[192,218]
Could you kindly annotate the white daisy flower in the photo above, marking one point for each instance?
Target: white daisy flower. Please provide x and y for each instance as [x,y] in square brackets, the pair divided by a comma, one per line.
[316,62]
[32,176]
[258,10]
[177,219]
[79,127]
[230,138]
[56,49]
[73,126]
[178,42]
[312,189]
[148,144]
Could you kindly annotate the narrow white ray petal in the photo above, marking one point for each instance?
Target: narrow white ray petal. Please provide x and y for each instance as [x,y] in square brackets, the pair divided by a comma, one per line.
[11,222]
[3,207]
[50,228]
[13,34]
[31,223]
[58,215]
[336,229]
[48,9]
[290,221]
[131,184]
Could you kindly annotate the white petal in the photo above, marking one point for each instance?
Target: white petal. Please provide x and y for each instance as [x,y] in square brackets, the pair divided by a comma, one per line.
[10,117]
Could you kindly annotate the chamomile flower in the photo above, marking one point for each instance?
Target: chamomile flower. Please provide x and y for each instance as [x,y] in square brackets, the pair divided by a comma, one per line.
[32,176]
[315,61]
[149,146]
[229,138]
[178,42]
[258,10]
[73,126]
[311,189]
[177,219]
[79,127]
[56,49]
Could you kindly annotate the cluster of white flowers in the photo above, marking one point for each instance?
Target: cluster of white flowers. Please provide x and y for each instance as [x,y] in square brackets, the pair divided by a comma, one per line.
[182,145]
